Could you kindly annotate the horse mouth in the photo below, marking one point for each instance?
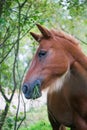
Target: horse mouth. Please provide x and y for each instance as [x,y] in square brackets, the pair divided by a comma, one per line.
[32,91]
[36,93]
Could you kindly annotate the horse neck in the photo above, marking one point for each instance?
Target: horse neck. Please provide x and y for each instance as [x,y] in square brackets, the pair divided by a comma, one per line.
[77,54]
[79,71]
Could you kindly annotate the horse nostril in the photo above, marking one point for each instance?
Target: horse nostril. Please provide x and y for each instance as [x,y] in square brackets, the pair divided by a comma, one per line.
[38,83]
[25,88]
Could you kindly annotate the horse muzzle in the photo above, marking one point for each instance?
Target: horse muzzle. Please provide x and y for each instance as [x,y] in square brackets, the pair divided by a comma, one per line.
[32,90]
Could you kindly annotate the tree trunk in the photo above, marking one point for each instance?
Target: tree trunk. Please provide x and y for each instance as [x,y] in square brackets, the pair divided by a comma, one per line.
[3,115]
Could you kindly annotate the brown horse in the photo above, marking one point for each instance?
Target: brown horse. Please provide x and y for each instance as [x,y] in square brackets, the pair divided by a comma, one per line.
[60,65]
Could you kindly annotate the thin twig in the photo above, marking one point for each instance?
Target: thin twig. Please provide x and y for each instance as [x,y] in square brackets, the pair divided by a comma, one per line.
[81,40]
[5,37]
[8,52]
[23,4]
[18,110]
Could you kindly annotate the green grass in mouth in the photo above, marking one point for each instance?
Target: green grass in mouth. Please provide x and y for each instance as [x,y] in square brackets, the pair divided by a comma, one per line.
[36,92]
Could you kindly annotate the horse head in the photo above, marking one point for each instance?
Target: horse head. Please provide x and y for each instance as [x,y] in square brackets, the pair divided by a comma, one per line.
[51,63]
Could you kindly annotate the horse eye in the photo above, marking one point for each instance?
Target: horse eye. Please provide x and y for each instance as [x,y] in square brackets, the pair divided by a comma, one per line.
[42,53]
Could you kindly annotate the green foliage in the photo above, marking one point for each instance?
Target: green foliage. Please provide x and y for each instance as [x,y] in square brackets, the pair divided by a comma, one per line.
[17,18]
[41,125]
[9,123]
[10,120]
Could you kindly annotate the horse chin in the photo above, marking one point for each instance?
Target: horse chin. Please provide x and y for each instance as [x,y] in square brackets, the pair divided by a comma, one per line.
[27,96]
[32,96]
[37,96]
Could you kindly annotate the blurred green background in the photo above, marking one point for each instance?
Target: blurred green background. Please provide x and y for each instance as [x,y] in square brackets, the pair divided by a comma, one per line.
[17,47]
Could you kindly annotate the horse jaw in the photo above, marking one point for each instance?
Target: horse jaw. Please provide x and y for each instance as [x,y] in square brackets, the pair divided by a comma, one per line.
[58,83]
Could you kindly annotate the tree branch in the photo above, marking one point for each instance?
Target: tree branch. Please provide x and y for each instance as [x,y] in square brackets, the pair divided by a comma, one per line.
[23,4]
[24,114]
[8,52]
[3,94]
[81,41]
[1,6]
[5,37]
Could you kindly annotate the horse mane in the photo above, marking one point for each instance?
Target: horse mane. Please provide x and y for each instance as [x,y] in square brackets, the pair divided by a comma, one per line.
[77,53]
[65,35]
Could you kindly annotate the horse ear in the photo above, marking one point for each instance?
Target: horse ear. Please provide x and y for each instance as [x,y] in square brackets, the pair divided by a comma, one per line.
[45,32]
[37,37]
